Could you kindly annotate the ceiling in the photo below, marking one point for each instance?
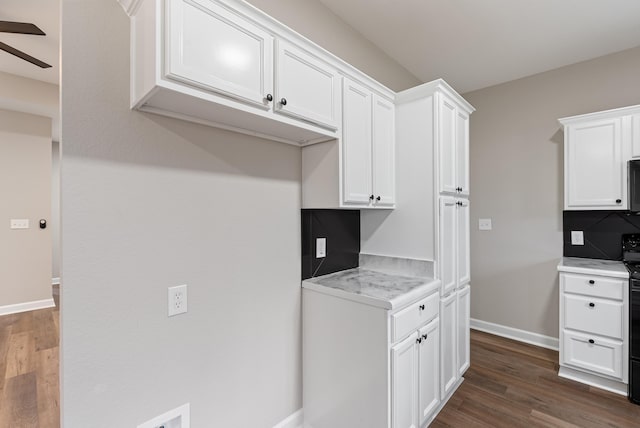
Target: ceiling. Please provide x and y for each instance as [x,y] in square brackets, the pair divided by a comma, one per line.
[44,14]
[474,44]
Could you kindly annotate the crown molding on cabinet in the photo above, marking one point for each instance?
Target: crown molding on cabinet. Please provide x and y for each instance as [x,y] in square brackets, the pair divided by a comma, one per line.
[606,114]
[429,88]
[130,6]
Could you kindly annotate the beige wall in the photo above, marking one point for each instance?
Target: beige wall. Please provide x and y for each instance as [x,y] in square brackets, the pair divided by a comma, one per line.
[25,189]
[314,21]
[55,210]
[150,202]
[516,180]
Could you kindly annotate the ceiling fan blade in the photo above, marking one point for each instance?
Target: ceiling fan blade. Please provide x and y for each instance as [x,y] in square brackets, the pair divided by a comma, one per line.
[24,56]
[20,28]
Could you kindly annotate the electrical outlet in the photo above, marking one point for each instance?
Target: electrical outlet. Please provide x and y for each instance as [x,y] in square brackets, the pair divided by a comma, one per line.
[177,300]
[577,237]
[321,248]
[484,224]
[19,223]
[176,418]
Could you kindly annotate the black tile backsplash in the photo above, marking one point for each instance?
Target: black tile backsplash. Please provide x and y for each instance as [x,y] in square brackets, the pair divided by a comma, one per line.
[341,228]
[602,230]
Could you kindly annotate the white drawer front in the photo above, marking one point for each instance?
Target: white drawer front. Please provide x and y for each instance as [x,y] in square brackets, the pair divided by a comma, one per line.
[602,356]
[413,316]
[593,315]
[592,285]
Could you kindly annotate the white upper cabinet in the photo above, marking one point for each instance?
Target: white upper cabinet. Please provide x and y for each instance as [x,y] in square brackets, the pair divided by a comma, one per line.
[595,166]
[356,147]
[383,145]
[597,147]
[216,50]
[306,87]
[453,146]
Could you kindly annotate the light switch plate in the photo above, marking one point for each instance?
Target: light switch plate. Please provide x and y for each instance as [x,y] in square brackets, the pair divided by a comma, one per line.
[484,224]
[19,223]
[321,248]
[577,237]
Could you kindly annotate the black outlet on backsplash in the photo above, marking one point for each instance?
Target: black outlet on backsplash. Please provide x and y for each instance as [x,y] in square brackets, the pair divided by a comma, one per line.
[602,231]
[341,228]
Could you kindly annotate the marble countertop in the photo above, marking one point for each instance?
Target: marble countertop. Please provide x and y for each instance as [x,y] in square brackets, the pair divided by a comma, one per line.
[384,290]
[593,266]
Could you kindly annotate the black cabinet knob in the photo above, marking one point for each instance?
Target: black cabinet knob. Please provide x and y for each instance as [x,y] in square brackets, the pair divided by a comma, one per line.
[592,305]
[378,198]
[618,201]
[269,97]
[592,341]
[283,101]
[419,340]
[424,337]
[591,281]
[421,307]
[371,197]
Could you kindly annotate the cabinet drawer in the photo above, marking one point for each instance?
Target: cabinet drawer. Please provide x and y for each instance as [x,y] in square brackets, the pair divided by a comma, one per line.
[592,315]
[413,316]
[592,285]
[603,356]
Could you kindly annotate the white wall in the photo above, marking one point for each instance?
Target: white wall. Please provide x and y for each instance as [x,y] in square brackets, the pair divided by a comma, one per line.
[516,180]
[25,186]
[150,202]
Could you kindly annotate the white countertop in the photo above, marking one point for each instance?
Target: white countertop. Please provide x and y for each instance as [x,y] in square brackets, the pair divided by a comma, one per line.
[388,291]
[593,267]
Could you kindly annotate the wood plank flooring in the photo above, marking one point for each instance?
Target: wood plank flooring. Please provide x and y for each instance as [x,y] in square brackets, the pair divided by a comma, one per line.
[29,367]
[511,384]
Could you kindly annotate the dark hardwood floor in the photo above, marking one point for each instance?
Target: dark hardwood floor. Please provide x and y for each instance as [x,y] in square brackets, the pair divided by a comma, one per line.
[29,396]
[511,384]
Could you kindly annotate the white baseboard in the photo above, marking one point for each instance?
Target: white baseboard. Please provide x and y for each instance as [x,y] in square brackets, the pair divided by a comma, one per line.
[27,306]
[55,281]
[516,334]
[593,380]
[295,420]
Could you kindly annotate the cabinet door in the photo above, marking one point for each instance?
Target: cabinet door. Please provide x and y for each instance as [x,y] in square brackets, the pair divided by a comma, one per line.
[635,136]
[209,47]
[383,146]
[464,332]
[429,370]
[356,144]
[462,152]
[595,171]
[404,375]
[448,344]
[462,231]
[447,240]
[306,87]
[447,144]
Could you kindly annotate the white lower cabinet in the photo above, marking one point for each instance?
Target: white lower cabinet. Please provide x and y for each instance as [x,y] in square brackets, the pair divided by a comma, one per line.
[464,329]
[367,366]
[594,320]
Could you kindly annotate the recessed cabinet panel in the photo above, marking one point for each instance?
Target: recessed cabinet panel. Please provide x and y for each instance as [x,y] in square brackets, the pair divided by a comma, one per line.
[592,285]
[383,146]
[447,145]
[462,152]
[306,87]
[429,370]
[463,253]
[448,238]
[593,353]
[356,145]
[590,314]
[211,48]
[635,136]
[404,377]
[448,344]
[464,328]
[595,167]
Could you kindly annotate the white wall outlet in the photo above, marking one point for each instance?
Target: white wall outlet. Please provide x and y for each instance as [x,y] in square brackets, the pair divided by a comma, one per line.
[321,248]
[577,237]
[177,300]
[19,223]
[484,224]
[176,418]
